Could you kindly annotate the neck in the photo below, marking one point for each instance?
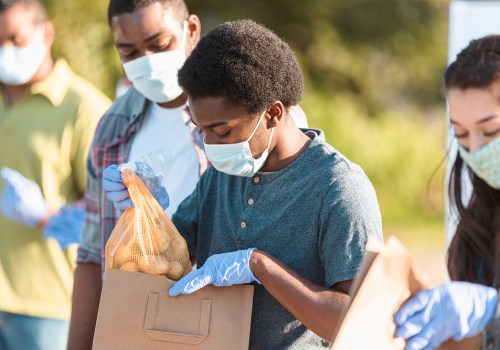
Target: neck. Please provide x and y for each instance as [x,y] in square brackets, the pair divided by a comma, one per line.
[13,93]
[290,143]
[179,101]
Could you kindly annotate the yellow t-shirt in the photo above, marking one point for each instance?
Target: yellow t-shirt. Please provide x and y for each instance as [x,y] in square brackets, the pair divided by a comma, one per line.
[45,136]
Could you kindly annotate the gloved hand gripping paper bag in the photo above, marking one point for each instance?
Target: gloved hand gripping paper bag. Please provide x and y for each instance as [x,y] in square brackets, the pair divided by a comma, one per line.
[144,256]
[387,277]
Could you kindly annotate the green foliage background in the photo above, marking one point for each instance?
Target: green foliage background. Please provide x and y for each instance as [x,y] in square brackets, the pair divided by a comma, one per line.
[373,80]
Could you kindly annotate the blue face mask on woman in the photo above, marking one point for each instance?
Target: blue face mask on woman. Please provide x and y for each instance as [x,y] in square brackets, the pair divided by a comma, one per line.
[236,158]
[484,162]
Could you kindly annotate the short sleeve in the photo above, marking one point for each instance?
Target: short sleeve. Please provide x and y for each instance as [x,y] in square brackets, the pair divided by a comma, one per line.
[187,216]
[350,213]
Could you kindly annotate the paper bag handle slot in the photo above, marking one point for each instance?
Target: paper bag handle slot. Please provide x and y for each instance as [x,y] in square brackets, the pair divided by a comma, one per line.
[173,337]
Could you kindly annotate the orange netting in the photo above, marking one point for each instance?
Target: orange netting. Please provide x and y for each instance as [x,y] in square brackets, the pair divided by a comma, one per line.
[145,239]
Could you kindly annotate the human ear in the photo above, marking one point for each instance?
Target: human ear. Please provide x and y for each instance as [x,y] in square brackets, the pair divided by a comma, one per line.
[276,113]
[49,33]
[193,33]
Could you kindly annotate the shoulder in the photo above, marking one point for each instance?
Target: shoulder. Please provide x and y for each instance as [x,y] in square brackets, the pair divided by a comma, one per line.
[329,163]
[87,93]
[346,182]
[130,103]
[119,116]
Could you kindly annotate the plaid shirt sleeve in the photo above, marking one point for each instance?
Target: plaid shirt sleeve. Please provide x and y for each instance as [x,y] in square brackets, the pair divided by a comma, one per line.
[90,248]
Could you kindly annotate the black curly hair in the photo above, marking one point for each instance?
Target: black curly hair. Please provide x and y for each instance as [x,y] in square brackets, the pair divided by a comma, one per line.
[247,64]
[118,7]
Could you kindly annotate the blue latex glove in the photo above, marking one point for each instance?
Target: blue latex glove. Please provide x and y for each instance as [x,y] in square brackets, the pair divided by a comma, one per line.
[117,192]
[220,270]
[454,310]
[22,199]
[66,225]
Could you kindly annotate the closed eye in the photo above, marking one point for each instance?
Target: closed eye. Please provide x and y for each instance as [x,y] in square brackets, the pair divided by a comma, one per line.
[130,55]
[491,133]
[460,135]
[226,134]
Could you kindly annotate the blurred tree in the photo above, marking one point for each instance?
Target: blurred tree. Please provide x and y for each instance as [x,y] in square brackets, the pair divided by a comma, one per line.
[384,53]
[84,39]
[373,78]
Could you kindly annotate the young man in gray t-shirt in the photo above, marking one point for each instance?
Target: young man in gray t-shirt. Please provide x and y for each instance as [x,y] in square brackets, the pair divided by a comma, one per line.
[280,207]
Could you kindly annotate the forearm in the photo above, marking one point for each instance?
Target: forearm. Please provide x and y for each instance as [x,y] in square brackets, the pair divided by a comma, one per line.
[86,295]
[317,307]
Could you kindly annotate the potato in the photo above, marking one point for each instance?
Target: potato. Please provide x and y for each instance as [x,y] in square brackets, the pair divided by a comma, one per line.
[157,265]
[176,271]
[122,255]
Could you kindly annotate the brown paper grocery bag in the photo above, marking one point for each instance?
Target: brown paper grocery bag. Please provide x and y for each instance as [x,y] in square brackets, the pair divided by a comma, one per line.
[387,277]
[136,312]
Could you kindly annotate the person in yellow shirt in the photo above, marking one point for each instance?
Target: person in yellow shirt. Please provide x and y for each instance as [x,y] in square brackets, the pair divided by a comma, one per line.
[48,116]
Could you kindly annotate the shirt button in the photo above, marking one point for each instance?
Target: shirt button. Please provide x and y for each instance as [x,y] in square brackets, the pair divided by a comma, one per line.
[256,179]
[243,224]
[251,201]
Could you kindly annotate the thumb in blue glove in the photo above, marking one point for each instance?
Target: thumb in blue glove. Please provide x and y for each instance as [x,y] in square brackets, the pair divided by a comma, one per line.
[220,270]
[454,310]
[117,192]
[66,225]
[22,199]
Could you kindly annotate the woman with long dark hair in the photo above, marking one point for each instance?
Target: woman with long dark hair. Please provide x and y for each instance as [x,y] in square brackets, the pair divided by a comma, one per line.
[469,304]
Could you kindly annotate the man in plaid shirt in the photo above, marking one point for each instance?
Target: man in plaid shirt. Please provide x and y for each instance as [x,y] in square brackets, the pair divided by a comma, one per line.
[153,38]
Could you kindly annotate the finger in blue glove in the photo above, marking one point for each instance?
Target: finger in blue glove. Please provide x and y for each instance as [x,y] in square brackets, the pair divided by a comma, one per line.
[66,225]
[153,181]
[454,310]
[22,199]
[116,191]
[220,270]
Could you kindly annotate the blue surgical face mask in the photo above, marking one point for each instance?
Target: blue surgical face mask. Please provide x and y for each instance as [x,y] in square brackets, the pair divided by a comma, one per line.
[484,162]
[236,158]
[18,65]
[155,76]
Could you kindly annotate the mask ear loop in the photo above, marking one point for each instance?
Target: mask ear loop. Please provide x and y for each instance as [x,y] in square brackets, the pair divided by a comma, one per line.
[256,126]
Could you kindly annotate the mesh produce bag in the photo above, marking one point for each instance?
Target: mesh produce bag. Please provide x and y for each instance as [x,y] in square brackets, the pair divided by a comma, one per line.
[145,239]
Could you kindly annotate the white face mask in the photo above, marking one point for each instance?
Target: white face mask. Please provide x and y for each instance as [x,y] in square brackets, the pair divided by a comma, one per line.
[18,65]
[155,76]
[236,158]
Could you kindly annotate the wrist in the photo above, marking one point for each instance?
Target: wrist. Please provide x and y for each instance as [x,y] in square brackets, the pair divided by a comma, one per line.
[45,220]
[254,262]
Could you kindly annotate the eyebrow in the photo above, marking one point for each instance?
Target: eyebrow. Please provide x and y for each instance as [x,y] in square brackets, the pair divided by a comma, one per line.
[214,125]
[484,120]
[152,37]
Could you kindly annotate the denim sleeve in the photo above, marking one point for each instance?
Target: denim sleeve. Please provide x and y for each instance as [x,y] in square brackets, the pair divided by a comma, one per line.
[350,213]
[90,249]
